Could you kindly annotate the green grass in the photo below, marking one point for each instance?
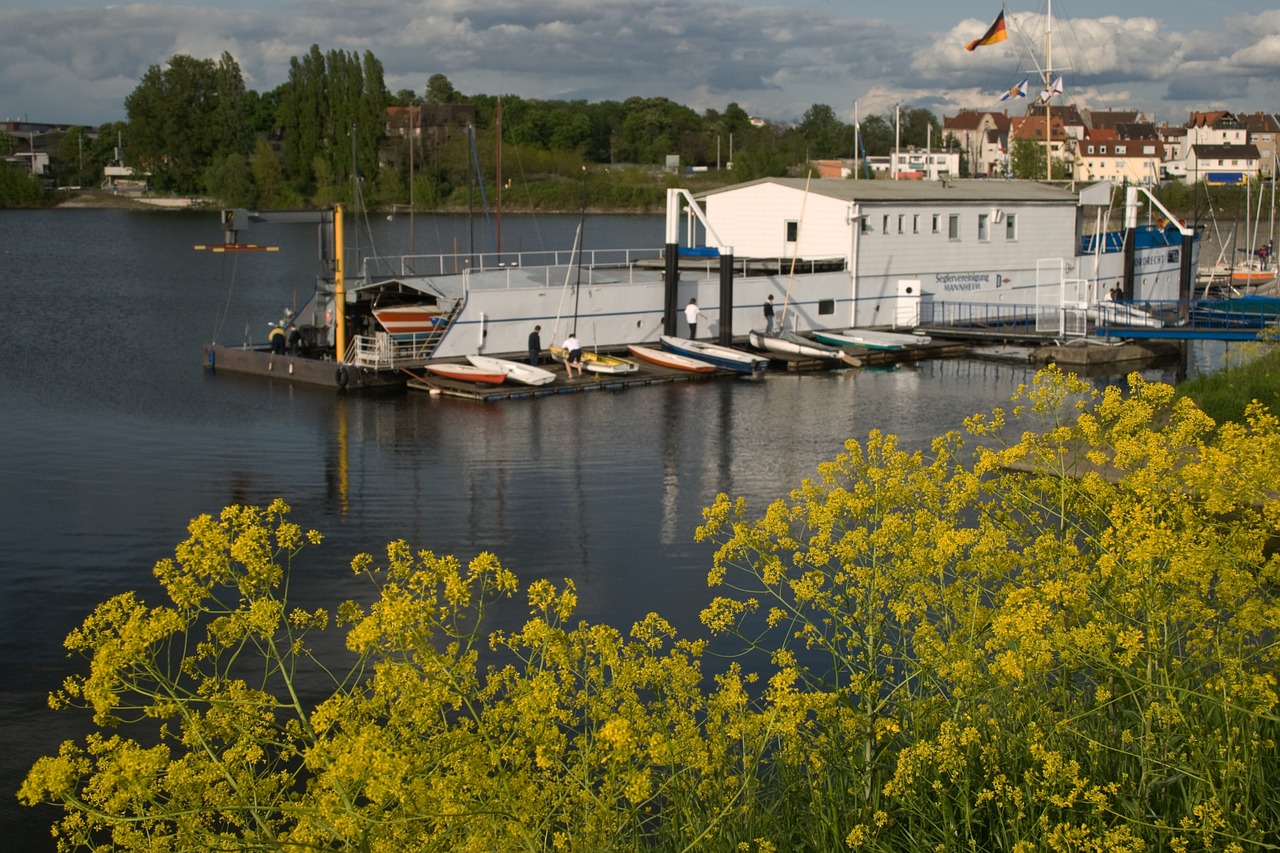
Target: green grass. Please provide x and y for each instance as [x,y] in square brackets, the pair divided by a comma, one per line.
[1225,394]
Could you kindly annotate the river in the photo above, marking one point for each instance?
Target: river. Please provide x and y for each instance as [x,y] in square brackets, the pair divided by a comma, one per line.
[116,437]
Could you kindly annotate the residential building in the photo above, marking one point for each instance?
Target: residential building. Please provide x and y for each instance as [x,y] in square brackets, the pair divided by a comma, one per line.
[1264,134]
[982,138]
[1222,163]
[1105,155]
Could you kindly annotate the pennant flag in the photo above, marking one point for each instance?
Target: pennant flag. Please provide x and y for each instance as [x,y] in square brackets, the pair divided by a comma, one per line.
[1054,89]
[994,35]
[1018,91]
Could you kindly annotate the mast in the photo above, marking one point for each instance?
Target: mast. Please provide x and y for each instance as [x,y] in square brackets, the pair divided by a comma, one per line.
[1048,86]
[498,169]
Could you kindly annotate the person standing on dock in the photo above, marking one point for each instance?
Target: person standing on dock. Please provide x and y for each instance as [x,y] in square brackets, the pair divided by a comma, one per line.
[691,314]
[572,354]
[535,345]
[276,338]
[295,339]
[768,315]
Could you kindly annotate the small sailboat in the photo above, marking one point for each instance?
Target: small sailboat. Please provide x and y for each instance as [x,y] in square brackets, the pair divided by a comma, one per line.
[468,373]
[672,360]
[792,344]
[595,362]
[870,339]
[525,374]
[724,357]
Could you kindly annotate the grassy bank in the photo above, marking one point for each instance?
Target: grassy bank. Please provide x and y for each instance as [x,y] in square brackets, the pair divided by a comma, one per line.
[1225,394]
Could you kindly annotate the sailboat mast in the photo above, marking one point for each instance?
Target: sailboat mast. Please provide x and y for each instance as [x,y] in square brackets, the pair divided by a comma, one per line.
[1048,85]
[498,170]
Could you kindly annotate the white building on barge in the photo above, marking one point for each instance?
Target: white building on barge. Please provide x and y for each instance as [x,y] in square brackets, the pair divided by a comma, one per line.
[834,254]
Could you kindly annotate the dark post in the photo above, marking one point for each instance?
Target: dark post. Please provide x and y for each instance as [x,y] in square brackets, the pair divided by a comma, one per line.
[1129,251]
[671,306]
[726,298]
[1185,280]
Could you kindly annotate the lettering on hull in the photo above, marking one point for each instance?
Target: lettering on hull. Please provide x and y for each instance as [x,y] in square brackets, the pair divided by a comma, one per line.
[967,281]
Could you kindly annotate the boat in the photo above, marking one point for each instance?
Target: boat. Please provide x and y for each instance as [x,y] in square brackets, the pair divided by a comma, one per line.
[525,374]
[672,360]
[468,373]
[595,362]
[869,338]
[723,357]
[792,344]
[410,319]
[1124,314]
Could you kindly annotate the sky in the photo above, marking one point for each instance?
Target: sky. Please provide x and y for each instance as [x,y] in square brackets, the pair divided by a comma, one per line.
[69,62]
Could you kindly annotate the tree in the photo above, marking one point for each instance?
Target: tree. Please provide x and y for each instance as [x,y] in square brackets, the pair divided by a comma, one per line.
[823,133]
[440,90]
[185,116]
[230,181]
[1027,161]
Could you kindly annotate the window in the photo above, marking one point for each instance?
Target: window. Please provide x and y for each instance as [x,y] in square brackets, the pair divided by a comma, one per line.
[885,228]
[953,226]
[1090,149]
[915,224]
[983,231]
[1011,226]
[864,224]
[902,223]
[793,230]
[937,224]
[1102,149]
[826,306]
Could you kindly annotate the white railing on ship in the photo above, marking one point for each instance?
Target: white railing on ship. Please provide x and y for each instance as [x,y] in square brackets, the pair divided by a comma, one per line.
[455,264]
[382,351]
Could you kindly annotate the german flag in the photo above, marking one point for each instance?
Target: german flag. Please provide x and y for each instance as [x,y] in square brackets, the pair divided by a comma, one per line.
[995,34]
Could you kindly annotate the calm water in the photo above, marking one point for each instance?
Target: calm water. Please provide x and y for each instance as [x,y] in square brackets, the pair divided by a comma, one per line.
[115,438]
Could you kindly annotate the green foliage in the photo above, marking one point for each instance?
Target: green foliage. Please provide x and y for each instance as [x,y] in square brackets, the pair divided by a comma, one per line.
[1056,634]
[1027,161]
[20,188]
[184,117]
[1226,394]
[230,181]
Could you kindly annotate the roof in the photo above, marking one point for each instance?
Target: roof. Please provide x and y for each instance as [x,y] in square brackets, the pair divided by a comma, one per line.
[973,119]
[1248,151]
[960,190]
[1112,119]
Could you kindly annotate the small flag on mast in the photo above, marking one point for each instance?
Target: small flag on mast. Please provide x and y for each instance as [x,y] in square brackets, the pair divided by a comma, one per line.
[1054,89]
[996,33]
[1018,91]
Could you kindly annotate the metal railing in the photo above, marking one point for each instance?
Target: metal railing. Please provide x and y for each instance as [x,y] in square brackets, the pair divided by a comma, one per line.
[456,264]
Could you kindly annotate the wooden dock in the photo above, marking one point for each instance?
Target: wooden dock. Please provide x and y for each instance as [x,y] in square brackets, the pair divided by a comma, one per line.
[589,382]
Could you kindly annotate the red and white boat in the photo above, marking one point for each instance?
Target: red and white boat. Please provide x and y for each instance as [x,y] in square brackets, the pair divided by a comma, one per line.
[411,319]
[468,373]
[672,360]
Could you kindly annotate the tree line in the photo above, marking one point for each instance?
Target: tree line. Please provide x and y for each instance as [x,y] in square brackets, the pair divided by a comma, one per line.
[195,129]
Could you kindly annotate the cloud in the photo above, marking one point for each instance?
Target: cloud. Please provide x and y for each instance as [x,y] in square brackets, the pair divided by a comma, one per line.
[774,60]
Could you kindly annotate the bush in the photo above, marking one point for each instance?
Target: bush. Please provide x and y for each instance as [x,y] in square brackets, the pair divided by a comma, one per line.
[1062,640]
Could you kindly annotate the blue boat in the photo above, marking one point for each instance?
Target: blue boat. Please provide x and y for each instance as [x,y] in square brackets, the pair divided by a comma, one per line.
[727,358]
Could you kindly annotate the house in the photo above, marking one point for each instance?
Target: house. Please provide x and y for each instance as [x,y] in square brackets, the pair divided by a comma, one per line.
[1222,164]
[1105,154]
[929,164]
[982,138]
[1031,127]
[1264,133]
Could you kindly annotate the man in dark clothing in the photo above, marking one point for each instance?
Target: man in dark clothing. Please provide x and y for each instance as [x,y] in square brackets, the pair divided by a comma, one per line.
[535,345]
[295,339]
[768,315]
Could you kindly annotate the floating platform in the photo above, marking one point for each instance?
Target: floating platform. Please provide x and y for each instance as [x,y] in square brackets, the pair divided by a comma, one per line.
[647,375]
[310,371]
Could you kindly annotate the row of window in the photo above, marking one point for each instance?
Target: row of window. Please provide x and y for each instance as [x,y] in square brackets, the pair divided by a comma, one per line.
[953,225]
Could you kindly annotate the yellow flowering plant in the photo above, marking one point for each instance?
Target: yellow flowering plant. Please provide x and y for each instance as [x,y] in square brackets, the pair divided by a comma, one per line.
[1054,631]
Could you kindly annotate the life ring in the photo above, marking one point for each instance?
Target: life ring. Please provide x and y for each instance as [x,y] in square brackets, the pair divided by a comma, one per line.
[341,377]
